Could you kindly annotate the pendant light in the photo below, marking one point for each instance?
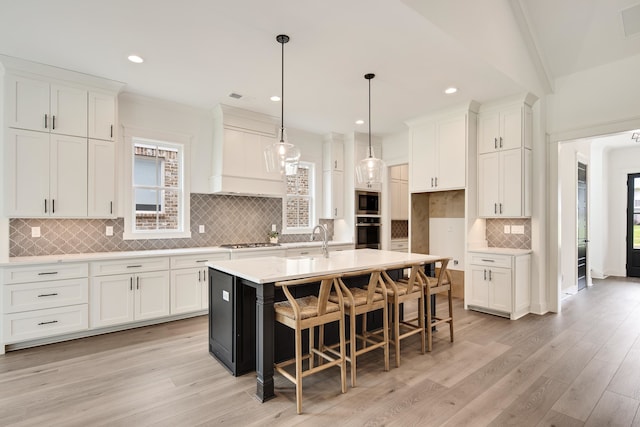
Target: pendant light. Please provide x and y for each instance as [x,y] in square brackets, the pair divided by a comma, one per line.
[370,169]
[282,156]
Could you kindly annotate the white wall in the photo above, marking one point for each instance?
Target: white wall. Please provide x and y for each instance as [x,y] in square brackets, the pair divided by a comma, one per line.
[598,212]
[621,162]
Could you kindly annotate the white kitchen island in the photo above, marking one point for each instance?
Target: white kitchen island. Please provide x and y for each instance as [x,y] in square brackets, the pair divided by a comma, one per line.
[242,293]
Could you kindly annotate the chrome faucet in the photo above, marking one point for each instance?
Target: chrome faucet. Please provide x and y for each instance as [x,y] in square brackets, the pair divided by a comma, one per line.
[325,237]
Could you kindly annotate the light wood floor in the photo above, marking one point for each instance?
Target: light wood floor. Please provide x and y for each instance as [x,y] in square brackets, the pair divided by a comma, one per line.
[578,368]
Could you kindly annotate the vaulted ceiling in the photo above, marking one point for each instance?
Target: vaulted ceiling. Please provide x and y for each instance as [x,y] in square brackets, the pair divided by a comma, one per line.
[197,52]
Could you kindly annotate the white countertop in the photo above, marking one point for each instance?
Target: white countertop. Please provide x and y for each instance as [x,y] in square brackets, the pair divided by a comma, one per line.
[501,251]
[274,269]
[100,256]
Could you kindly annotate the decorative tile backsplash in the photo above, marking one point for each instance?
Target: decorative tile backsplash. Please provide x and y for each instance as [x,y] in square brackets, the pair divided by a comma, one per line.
[227,219]
[399,229]
[497,238]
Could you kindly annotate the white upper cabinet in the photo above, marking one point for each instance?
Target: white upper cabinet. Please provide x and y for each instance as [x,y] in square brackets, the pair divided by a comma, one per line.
[399,189]
[46,107]
[101,172]
[102,116]
[438,150]
[504,128]
[239,140]
[333,176]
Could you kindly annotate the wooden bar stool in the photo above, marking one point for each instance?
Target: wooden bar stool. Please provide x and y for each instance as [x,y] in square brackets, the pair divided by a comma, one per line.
[436,285]
[399,292]
[360,301]
[307,313]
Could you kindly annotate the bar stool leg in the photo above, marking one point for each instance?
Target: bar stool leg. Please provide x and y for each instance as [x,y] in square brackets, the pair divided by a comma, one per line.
[353,344]
[429,319]
[450,311]
[299,371]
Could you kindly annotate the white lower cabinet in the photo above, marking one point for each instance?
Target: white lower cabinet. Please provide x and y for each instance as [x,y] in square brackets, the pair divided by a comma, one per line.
[190,282]
[500,284]
[43,301]
[127,297]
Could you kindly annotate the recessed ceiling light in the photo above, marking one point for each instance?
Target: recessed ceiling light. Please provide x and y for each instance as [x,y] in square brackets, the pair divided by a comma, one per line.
[450,90]
[359,122]
[275,98]
[136,59]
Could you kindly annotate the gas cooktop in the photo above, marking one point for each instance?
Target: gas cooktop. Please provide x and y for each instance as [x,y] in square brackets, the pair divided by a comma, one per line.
[248,245]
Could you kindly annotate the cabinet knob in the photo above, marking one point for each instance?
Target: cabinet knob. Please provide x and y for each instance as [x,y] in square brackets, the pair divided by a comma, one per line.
[495,143]
[45,121]
[500,142]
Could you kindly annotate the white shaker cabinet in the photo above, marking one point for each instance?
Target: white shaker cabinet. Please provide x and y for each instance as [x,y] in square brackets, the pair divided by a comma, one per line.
[134,294]
[39,105]
[500,284]
[190,281]
[399,192]
[504,128]
[101,179]
[102,116]
[439,149]
[504,184]
[46,175]
[333,177]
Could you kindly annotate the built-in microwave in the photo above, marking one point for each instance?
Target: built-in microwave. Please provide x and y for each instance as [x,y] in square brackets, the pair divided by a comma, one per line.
[367,203]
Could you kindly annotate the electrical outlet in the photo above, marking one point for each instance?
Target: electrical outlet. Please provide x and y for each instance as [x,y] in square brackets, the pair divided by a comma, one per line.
[273,227]
[517,229]
[507,229]
[455,262]
[35,231]
[109,230]
[201,229]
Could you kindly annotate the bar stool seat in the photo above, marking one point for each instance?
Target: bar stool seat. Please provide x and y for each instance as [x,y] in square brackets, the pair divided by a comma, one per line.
[308,313]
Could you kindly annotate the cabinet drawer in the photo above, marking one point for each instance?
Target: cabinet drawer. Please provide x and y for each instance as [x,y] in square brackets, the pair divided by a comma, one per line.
[191,261]
[44,323]
[43,273]
[491,260]
[132,265]
[399,245]
[35,296]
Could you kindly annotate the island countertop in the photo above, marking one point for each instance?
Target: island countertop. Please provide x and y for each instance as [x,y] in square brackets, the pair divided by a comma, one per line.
[274,269]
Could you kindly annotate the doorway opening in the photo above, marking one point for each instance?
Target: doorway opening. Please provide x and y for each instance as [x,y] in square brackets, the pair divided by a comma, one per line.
[633,225]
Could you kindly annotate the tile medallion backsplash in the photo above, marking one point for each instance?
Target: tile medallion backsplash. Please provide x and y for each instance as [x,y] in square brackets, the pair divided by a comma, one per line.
[497,238]
[399,229]
[227,219]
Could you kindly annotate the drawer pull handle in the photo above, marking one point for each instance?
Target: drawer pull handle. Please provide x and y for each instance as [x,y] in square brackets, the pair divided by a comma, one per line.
[47,273]
[134,266]
[47,323]
[47,295]
[488,260]
[202,260]
[304,253]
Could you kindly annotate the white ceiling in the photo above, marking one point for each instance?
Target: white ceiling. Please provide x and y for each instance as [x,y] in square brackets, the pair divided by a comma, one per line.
[198,51]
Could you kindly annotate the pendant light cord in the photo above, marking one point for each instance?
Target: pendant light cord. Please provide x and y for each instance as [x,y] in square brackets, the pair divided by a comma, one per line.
[282,42]
[370,155]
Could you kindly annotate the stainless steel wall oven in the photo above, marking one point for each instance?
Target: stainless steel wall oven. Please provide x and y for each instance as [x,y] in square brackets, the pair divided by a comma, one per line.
[368,231]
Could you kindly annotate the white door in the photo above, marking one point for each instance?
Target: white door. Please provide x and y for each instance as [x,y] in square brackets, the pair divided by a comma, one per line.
[500,289]
[68,178]
[186,290]
[151,295]
[102,116]
[488,132]
[488,184]
[511,128]
[68,110]
[511,182]
[423,153]
[28,104]
[111,300]
[479,287]
[101,179]
[27,174]
[452,154]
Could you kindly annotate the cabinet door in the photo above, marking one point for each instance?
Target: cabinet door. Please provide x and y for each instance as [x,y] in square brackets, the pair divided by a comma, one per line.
[452,154]
[337,194]
[68,110]
[151,295]
[394,187]
[101,179]
[488,132]
[27,104]
[111,300]
[68,178]
[186,290]
[204,289]
[423,153]
[102,116]
[511,128]
[479,287]
[500,289]
[404,200]
[511,182]
[337,156]
[26,173]
[488,184]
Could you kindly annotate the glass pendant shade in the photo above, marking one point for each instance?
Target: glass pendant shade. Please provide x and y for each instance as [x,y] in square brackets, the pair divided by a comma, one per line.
[282,156]
[370,170]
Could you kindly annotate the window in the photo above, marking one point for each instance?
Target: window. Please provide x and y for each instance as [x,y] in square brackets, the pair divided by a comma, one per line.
[158,202]
[299,204]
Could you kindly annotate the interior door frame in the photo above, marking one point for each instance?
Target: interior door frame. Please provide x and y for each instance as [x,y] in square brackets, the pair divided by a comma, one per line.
[630,212]
[581,158]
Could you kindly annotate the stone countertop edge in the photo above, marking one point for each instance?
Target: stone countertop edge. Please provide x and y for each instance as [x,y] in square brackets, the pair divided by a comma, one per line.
[501,251]
[273,269]
[101,256]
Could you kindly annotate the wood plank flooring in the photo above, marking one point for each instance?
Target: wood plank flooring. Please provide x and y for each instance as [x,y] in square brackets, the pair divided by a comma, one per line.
[579,368]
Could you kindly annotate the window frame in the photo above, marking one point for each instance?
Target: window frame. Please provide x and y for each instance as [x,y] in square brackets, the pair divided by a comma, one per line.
[312,202]
[180,142]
